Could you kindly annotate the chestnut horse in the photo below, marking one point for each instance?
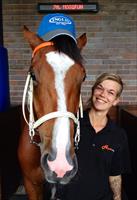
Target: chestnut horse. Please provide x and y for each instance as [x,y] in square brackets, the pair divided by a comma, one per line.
[52,94]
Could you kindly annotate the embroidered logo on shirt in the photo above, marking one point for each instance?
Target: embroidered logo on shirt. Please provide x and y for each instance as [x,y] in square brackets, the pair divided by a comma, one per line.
[107,148]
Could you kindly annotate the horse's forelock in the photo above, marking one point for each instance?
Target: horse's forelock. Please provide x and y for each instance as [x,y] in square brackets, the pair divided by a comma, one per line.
[67,45]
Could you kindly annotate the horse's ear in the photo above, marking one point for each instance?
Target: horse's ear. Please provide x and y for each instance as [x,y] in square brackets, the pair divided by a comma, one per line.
[81,41]
[31,37]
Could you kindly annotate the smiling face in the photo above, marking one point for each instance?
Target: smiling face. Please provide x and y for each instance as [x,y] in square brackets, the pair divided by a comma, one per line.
[105,95]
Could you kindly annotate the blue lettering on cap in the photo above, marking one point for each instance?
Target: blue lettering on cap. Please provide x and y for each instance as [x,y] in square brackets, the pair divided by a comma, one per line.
[60,20]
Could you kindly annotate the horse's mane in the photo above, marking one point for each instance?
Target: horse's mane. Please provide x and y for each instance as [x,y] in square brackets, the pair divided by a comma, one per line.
[67,45]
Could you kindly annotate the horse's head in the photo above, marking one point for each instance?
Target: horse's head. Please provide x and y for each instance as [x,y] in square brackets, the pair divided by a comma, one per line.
[54,83]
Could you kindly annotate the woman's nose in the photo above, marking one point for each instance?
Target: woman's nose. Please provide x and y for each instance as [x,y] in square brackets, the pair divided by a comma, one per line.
[103,92]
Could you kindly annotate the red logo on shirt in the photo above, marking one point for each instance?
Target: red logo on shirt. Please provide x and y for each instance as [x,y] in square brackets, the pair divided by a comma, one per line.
[106,147]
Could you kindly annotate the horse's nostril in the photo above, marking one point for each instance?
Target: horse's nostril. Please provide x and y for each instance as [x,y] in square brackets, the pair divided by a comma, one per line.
[51,156]
[47,157]
[57,170]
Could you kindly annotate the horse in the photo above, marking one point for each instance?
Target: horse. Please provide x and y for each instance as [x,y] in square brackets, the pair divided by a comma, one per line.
[50,106]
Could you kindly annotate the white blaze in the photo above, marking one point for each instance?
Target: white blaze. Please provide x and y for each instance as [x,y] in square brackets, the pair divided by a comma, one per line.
[60,64]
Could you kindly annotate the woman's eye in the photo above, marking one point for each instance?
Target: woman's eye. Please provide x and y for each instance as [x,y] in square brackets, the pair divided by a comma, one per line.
[111,93]
[99,88]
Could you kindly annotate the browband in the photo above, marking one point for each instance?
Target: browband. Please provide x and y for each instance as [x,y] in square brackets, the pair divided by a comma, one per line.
[44,44]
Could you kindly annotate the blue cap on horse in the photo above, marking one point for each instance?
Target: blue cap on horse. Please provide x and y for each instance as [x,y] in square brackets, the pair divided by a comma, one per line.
[56,24]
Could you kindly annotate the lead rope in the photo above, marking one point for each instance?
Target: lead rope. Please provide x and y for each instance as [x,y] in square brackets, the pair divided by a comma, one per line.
[31,116]
[77,135]
[57,192]
[24,97]
[29,88]
[53,192]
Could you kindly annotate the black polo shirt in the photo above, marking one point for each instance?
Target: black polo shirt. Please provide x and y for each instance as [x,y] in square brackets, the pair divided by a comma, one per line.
[99,156]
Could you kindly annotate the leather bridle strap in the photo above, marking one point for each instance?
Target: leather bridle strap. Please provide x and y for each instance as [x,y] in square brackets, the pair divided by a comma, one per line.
[54,115]
[44,44]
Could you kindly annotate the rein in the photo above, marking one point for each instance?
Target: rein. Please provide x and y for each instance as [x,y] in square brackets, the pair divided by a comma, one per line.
[28,90]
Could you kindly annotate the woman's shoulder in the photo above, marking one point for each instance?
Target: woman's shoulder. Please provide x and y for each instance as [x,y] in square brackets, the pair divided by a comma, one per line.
[116,129]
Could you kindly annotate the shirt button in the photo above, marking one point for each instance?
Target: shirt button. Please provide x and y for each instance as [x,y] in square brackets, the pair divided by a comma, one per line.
[93,145]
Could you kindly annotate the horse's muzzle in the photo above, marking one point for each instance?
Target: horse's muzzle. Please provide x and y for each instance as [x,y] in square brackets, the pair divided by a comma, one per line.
[59,174]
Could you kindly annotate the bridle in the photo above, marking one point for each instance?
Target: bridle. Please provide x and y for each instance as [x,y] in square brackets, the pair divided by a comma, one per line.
[33,125]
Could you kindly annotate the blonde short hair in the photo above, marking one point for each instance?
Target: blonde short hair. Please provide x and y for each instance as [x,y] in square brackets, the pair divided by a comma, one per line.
[100,79]
[109,76]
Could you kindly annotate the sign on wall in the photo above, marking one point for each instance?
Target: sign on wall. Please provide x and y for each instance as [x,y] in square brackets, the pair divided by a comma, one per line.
[68,7]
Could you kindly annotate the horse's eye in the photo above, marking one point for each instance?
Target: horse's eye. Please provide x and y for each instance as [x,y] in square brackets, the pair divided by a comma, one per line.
[35,82]
[33,76]
[84,78]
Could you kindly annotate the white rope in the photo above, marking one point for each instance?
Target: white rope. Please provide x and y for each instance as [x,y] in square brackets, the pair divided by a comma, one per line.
[31,114]
[24,97]
[77,135]
[53,192]
[81,106]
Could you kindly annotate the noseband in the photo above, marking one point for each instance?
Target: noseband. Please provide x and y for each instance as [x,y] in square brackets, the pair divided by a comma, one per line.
[33,125]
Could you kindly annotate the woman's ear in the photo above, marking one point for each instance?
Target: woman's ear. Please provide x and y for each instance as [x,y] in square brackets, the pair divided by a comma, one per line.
[117,100]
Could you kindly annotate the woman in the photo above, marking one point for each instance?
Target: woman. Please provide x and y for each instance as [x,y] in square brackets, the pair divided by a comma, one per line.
[103,154]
